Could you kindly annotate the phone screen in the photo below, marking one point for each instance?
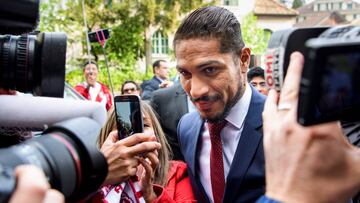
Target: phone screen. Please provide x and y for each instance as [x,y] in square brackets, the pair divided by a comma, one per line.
[100,33]
[128,115]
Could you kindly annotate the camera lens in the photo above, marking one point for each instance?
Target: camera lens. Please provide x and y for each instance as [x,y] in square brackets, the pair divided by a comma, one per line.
[18,17]
[33,63]
[67,154]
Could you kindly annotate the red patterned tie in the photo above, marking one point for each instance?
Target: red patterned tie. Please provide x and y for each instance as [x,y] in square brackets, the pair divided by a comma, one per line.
[216,161]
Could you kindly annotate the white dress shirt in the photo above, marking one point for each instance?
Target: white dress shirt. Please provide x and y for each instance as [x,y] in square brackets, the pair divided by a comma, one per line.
[191,107]
[230,137]
[94,91]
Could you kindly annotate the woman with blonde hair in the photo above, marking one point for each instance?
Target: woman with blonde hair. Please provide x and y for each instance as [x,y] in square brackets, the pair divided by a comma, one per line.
[140,169]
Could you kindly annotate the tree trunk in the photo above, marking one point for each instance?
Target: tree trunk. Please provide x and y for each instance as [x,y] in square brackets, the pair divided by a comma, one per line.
[148,48]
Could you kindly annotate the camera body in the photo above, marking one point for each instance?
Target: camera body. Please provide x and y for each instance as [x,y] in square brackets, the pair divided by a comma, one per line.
[282,43]
[33,63]
[67,154]
[329,87]
[66,151]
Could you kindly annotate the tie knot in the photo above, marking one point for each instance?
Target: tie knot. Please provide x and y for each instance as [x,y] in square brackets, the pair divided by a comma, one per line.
[216,127]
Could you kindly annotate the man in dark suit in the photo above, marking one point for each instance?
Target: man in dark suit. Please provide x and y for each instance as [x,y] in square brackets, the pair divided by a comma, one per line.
[160,79]
[221,141]
[171,104]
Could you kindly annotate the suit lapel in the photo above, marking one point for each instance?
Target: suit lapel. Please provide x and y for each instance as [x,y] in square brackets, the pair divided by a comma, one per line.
[249,141]
[157,79]
[194,141]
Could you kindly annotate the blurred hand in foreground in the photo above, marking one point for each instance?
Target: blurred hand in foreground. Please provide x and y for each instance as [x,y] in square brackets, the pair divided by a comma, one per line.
[305,164]
[33,187]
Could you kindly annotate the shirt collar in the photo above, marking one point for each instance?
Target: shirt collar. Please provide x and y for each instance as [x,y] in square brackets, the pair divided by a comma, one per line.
[239,111]
[95,86]
[161,80]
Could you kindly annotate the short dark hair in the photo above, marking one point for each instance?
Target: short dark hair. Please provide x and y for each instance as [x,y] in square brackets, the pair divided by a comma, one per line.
[129,81]
[90,62]
[255,72]
[212,22]
[157,64]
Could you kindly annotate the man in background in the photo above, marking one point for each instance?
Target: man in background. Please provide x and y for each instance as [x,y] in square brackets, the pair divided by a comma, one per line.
[130,87]
[160,79]
[171,104]
[256,78]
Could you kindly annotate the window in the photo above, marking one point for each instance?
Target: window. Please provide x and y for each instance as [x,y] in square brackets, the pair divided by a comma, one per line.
[316,7]
[350,6]
[267,34]
[300,19]
[323,7]
[160,43]
[231,2]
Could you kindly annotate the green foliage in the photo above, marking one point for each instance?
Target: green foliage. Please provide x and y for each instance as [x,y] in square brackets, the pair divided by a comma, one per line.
[126,44]
[163,15]
[127,20]
[297,4]
[118,76]
[254,37]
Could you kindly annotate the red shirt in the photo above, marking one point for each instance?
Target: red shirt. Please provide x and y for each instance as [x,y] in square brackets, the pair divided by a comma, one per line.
[103,96]
[178,188]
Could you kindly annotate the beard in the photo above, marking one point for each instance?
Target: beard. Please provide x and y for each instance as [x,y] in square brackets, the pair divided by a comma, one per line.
[228,106]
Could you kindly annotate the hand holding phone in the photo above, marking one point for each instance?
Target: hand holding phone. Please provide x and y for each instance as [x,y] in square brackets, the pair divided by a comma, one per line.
[128,113]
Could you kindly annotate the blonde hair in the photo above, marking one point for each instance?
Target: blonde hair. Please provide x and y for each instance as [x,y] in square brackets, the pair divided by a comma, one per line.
[165,151]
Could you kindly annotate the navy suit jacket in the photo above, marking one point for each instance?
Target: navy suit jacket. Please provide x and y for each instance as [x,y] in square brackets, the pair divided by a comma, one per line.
[246,179]
[170,104]
[148,87]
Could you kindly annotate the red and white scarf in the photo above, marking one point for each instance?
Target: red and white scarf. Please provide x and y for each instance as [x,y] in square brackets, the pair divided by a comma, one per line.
[126,192]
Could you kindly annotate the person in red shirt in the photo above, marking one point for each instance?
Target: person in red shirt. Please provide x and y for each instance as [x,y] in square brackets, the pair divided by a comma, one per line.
[93,90]
[140,169]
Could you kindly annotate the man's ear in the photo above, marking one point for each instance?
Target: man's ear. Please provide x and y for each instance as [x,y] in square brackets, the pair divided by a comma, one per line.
[245,59]
[156,70]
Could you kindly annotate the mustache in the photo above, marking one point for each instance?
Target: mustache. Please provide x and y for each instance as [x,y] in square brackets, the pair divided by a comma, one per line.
[206,98]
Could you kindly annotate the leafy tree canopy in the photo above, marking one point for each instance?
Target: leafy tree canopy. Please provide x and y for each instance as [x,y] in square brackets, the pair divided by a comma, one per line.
[254,37]
[129,22]
[297,4]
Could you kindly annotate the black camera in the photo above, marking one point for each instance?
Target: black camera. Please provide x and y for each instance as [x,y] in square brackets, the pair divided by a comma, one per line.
[30,63]
[67,154]
[330,87]
[35,63]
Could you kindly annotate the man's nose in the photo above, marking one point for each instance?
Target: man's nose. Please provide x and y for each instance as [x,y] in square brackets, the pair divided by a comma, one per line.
[199,88]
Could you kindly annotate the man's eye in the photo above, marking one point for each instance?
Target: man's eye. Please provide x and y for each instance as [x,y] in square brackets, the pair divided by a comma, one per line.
[184,73]
[263,84]
[209,70]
